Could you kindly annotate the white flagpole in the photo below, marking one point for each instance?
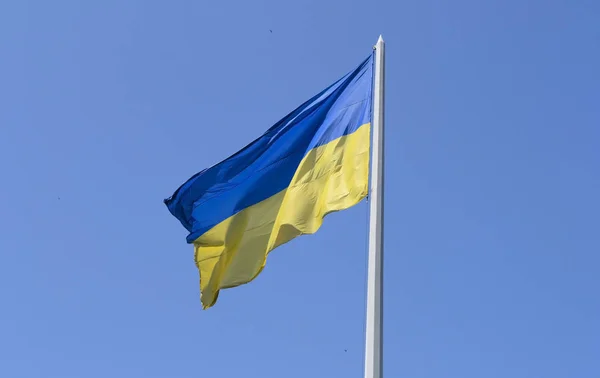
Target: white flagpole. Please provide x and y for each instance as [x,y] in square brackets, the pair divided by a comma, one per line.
[374,341]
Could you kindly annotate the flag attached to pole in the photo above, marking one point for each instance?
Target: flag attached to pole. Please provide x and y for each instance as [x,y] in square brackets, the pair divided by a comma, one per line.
[312,162]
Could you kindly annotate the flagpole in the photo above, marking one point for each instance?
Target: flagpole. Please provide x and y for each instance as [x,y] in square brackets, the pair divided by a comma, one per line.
[373,339]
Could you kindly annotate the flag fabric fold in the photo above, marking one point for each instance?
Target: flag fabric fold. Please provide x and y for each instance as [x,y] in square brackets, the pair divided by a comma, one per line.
[312,162]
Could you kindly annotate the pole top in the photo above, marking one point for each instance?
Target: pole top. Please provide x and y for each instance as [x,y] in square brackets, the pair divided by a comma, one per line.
[379,42]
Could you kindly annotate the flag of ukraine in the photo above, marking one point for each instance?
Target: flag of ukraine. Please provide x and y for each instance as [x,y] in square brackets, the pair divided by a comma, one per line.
[312,162]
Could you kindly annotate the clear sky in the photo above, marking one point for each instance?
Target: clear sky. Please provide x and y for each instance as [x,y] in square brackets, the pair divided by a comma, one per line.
[492,264]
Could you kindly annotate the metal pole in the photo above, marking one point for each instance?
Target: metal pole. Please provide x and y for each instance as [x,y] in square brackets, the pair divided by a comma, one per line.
[374,341]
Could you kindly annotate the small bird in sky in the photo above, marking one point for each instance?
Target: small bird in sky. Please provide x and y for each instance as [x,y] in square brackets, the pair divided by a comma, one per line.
[271,31]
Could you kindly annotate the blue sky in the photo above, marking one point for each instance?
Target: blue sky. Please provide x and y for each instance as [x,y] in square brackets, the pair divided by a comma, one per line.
[492,262]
